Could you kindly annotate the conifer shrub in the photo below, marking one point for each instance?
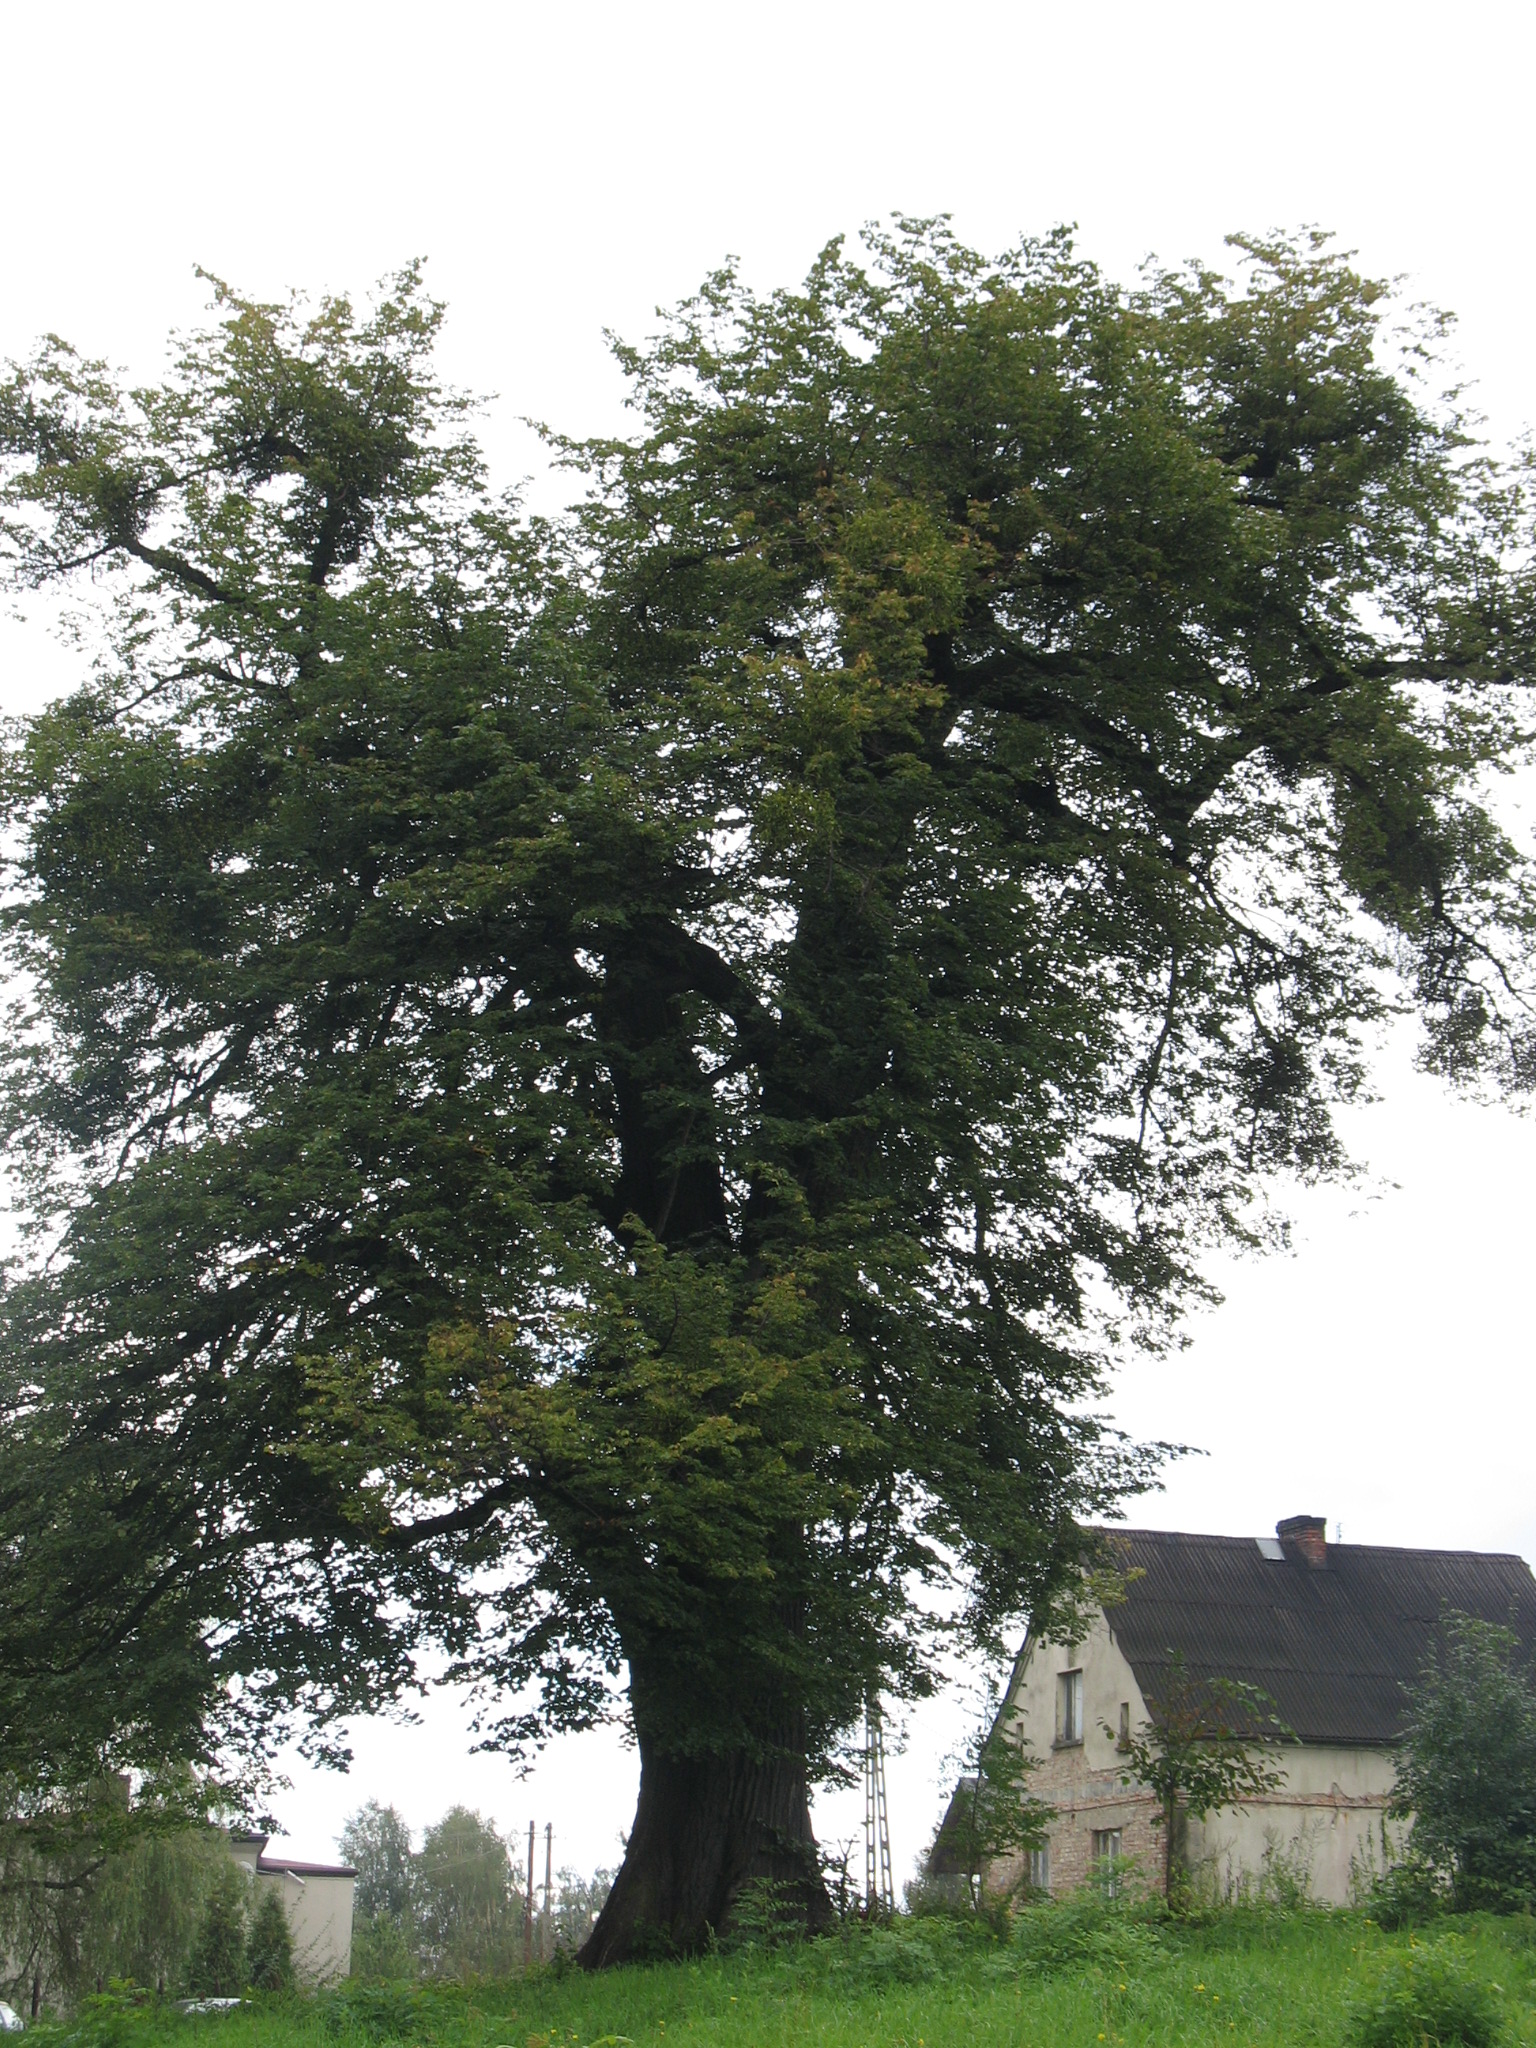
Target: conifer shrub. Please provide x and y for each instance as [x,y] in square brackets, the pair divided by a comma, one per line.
[269,1949]
[218,1962]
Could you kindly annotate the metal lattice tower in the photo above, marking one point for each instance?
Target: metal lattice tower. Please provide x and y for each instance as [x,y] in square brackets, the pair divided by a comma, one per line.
[879,1889]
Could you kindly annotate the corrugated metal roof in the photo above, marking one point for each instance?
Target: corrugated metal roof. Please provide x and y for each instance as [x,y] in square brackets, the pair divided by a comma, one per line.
[1334,1647]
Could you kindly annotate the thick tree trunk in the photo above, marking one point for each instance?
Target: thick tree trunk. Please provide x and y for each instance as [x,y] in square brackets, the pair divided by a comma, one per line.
[705,1827]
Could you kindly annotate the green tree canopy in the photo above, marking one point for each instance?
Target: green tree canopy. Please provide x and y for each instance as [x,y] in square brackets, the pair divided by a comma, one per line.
[1467,1773]
[595,1092]
[377,1843]
[992,1818]
[467,1888]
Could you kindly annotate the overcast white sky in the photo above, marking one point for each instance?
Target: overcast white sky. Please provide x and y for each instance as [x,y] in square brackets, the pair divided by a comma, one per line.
[565,170]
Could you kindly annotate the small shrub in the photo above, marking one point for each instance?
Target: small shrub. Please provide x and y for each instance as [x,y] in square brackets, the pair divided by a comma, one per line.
[120,2017]
[936,1898]
[384,1948]
[910,1949]
[269,1951]
[897,1954]
[768,1913]
[1089,1929]
[380,2012]
[988,1916]
[649,1943]
[1421,1995]
[1285,1873]
[1406,1894]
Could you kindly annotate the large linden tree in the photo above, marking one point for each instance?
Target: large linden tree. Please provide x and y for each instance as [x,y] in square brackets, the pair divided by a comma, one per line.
[593,1094]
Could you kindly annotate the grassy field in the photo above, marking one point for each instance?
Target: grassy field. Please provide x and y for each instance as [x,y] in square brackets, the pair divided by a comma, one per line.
[1064,1979]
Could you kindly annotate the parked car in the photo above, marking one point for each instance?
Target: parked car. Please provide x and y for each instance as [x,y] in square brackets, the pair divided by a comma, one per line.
[11,2021]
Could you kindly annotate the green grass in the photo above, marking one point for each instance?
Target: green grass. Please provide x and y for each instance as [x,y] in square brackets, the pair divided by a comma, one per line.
[1063,1980]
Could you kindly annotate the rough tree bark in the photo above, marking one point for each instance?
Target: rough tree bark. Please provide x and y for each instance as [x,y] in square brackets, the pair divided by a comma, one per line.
[705,1826]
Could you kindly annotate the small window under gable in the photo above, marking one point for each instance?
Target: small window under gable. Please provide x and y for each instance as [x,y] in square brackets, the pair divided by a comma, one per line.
[1069,1708]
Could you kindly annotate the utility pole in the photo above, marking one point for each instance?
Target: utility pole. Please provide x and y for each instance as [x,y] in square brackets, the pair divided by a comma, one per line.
[528,1904]
[879,1888]
[549,1884]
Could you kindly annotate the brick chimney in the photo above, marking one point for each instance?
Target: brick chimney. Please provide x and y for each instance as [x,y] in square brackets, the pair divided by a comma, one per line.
[1308,1536]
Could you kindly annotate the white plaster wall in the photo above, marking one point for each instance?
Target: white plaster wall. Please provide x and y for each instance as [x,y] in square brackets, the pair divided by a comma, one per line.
[1325,1820]
[1108,1680]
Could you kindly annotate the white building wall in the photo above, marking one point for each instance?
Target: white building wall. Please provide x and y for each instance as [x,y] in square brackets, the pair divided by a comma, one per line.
[320,1917]
[1327,1820]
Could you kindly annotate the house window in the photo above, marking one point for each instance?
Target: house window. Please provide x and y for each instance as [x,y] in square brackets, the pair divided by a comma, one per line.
[1040,1868]
[1125,1725]
[1069,1707]
[1106,1858]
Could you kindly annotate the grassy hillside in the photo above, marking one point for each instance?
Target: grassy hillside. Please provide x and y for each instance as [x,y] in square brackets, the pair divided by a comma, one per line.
[1066,1978]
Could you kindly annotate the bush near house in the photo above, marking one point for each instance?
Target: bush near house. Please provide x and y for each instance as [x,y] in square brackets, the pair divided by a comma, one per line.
[1425,1993]
[1468,1772]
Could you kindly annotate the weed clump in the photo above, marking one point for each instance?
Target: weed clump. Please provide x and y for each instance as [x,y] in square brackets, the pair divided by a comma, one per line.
[386,2012]
[1406,1894]
[1421,1997]
[122,2016]
[1088,1930]
[895,1955]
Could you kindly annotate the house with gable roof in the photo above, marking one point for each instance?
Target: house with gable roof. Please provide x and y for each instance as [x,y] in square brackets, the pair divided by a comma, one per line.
[1336,1634]
[317,1898]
